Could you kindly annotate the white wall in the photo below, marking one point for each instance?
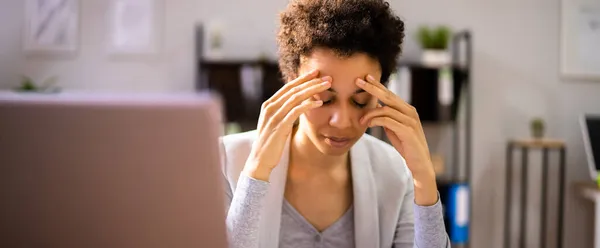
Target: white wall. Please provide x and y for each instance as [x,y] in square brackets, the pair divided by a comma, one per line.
[515,77]
[91,68]
[249,31]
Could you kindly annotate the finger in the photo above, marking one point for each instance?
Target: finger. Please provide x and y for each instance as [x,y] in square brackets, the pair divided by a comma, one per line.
[403,132]
[404,106]
[291,117]
[394,140]
[385,95]
[390,112]
[376,83]
[303,78]
[300,97]
[293,91]
[273,105]
[398,116]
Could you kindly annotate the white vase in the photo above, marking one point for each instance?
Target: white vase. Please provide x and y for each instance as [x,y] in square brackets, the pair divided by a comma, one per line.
[436,58]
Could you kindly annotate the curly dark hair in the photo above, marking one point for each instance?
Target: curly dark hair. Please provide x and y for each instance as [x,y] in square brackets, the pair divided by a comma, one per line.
[344,26]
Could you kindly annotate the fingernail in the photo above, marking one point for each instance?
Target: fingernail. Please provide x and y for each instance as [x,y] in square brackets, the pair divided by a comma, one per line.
[318,103]
[326,83]
[371,78]
[361,82]
[326,78]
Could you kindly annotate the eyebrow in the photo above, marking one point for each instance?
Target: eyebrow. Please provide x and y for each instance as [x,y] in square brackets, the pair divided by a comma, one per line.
[355,92]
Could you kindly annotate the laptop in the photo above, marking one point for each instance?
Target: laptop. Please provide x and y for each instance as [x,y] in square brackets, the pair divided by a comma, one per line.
[590,126]
[87,170]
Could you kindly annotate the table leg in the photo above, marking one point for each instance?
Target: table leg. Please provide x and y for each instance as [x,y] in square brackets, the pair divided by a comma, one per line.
[508,195]
[524,177]
[544,204]
[561,200]
[597,225]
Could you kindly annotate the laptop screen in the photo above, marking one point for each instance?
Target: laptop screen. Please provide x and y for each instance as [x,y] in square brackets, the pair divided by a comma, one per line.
[593,130]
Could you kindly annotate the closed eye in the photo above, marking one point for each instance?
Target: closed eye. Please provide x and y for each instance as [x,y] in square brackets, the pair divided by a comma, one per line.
[360,105]
[357,104]
[361,99]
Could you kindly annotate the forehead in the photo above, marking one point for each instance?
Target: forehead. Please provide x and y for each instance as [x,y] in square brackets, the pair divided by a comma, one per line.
[343,70]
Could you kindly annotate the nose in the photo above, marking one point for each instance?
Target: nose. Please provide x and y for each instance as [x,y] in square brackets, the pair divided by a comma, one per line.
[341,118]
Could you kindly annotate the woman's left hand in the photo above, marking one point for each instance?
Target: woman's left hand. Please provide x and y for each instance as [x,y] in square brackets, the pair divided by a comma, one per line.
[404,130]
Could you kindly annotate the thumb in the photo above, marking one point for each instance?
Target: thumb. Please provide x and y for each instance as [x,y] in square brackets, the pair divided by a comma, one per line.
[394,140]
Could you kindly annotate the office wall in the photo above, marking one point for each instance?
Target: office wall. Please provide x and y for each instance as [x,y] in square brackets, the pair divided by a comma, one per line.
[515,77]
[91,68]
[248,30]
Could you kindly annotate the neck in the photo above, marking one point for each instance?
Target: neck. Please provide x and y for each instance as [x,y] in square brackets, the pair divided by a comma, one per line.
[304,153]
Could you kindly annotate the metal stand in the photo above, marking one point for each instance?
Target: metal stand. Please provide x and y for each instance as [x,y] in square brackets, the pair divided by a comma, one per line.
[525,146]
[464,71]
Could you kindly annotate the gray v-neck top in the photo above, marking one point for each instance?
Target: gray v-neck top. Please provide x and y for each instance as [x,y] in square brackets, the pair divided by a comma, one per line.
[429,229]
[297,232]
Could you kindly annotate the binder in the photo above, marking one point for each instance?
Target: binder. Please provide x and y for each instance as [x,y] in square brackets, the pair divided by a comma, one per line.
[457,211]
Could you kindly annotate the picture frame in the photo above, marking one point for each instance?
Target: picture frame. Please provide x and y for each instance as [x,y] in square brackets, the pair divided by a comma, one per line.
[51,26]
[134,27]
[580,40]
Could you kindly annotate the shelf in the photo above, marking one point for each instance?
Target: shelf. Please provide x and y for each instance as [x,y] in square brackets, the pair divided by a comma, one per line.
[418,64]
[236,62]
[447,182]
[249,61]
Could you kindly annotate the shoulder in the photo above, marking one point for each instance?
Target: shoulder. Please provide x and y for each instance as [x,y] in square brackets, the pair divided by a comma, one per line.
[235,149]
[386,162]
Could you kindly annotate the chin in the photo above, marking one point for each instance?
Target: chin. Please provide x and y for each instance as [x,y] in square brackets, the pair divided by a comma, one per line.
[333,146]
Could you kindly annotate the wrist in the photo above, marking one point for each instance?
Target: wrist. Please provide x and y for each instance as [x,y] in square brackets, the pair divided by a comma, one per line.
[258,172]
[426,192]
[424,176]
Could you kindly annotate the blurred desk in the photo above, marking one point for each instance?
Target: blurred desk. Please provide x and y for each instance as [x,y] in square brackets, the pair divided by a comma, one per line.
[590,190]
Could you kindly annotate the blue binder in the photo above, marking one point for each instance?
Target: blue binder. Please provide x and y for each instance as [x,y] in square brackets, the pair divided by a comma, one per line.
[458,213]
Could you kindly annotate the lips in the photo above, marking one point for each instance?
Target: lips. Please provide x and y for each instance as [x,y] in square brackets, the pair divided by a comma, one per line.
[337,142]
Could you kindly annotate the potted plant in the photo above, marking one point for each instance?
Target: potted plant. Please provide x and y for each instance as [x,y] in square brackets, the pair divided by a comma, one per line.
[28,85]
[215,40]
[434,42]
[216,43]
[537,128]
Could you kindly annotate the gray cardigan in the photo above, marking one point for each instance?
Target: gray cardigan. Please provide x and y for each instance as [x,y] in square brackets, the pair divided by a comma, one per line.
[384,209]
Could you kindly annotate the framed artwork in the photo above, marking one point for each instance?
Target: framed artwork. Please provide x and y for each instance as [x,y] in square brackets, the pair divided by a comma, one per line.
[51,26]
[134,27]
[580,39]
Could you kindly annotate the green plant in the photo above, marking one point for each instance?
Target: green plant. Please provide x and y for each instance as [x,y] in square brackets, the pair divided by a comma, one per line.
[216,40]
[28,85]
[435,38]
[537,127]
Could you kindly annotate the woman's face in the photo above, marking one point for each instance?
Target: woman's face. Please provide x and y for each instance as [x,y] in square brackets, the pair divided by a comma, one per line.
[334,127]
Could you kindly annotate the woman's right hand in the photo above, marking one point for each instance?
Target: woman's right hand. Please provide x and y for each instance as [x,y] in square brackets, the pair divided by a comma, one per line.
[277,117]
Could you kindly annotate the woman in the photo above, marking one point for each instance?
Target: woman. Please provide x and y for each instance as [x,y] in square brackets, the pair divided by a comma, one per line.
[309,176]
